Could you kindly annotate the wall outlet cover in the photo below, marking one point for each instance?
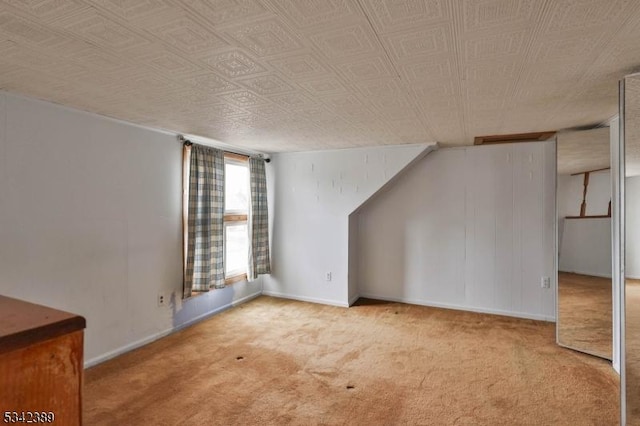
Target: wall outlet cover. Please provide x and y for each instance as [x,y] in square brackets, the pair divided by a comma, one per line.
[545,282]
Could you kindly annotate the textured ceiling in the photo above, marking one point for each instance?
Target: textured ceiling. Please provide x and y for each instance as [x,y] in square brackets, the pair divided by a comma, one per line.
[581,151]
[281,75]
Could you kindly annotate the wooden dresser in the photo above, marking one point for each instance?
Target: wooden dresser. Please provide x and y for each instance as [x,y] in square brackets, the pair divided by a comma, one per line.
[41,364]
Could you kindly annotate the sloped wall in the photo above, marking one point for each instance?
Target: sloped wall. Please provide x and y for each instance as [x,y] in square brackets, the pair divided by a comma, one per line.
[314,193]
[467,228]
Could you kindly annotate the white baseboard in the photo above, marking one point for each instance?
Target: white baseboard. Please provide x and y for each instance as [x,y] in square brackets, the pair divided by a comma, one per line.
[153,337]
[461,307]
[353,299]
[305,299]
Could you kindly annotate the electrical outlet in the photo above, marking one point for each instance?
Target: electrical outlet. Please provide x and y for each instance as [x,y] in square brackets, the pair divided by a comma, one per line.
[161,299]
[328,276]
[545,282]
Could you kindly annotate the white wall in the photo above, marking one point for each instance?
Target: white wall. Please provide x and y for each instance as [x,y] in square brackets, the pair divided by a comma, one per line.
[570,190]
[586,247]
[90,222]
[314,194]
[632,227]
[469,228]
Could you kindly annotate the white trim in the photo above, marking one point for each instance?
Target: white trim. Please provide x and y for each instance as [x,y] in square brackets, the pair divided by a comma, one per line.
[306,299]
[146,340]
[353,299]
[461,307]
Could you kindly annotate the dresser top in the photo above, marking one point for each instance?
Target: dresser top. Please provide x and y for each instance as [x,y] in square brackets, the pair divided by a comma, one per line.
[23,323]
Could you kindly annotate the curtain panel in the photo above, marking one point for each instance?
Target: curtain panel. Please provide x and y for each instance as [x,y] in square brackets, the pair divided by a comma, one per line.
[204,257]
[259,261]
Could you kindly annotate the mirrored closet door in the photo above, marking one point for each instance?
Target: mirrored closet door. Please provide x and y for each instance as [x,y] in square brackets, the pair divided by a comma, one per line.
[585,315]
[630,135]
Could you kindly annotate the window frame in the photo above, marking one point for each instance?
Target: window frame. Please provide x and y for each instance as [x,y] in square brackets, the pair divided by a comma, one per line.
[235,217]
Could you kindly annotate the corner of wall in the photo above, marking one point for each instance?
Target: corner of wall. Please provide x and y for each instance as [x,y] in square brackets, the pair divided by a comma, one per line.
[315,192]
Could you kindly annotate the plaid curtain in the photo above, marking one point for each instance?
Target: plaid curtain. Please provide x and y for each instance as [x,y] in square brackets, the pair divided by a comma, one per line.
[259,262]
[205,215]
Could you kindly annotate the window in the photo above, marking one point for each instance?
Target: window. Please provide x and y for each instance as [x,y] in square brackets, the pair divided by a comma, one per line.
[236,209]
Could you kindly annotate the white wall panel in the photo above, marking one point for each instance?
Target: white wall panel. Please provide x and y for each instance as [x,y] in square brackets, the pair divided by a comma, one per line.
[632,225]
[504,217]
[586,247]
[481,222]
[90,222]
[315,192]
[550,223]
[530,197]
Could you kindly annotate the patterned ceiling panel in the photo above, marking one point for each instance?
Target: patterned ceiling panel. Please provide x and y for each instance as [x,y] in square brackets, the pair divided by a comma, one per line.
[391,16]
[581,151]
[490,14]
[278,75]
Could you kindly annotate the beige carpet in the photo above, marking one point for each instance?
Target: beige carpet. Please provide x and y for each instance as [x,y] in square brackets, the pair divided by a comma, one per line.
[585,318]
[280,362]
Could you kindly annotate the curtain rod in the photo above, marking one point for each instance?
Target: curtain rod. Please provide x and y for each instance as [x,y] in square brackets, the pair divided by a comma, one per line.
[187,142]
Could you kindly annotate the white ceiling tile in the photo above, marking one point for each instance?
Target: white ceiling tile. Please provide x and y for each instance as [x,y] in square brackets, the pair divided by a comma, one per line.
[370,67]
[212,83]
[294,101]
[324,86]
[47,10]
[310,13]
[244,98]
[346,42]
[139,11]
[187,36]
[495,45]
[266,84]
[102,31]
[168,63]
[585,14]
[225,12]
[234,64]
[492,14]
[392,16]
[300,66]
[581,151]
[265,38]
[293,74]
[21,30]
[413,45]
